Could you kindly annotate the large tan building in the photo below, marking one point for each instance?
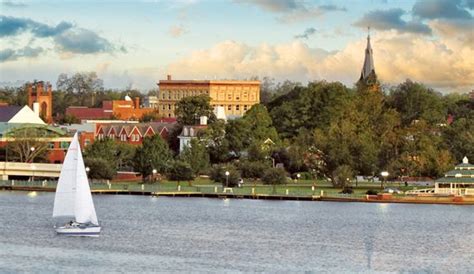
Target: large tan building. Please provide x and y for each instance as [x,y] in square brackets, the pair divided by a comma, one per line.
[236,97]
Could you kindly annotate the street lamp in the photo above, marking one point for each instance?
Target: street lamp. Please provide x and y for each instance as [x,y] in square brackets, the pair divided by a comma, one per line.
[32,149]
[298,177]
[154,171]
[227,173]
[384,175]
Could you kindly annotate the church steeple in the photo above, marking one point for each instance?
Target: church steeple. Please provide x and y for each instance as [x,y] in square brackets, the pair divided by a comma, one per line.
[368,70]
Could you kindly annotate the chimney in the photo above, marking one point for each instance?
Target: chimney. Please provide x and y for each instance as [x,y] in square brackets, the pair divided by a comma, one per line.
[137,102]
[203,120]
[36,108]
[168,77]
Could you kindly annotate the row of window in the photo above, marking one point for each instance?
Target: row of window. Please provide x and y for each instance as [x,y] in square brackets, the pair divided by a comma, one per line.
[184,93]
[123,137]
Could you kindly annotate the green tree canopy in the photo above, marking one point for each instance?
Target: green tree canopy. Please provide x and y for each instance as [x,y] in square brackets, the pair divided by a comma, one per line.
[154,153]
[196,156]
[189,109]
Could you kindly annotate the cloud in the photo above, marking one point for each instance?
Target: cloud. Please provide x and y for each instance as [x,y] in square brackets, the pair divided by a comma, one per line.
[447,9]
[275,5]
[67,37]
[291,11]
[307,33]
[12,4]
[391,20]
[177,31]
[82,41]
[11,54]
[397,57]
[11,26]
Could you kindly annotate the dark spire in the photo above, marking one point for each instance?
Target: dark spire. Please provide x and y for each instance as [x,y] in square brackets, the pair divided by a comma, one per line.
[368,67]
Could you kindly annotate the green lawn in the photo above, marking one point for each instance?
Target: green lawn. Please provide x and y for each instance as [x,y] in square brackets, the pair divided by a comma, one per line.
[204,185]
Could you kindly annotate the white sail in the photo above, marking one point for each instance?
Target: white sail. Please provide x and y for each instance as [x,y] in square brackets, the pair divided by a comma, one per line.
[84,210]
[73,195]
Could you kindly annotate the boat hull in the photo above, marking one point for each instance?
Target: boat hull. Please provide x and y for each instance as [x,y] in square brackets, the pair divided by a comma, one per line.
[87,231]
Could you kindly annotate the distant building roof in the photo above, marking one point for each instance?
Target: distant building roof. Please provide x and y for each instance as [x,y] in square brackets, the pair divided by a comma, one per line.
[7,112]
[85,113]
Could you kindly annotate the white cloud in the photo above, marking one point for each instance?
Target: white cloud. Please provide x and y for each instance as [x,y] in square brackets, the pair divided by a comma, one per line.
[443,63]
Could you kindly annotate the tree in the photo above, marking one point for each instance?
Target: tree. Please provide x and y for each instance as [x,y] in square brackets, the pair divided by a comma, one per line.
[82,87]
[196,156]
[100,168]
[253,169]
[153,154]
[27,146]
[149,117]
[180,171]
[459,138]
[189,109]
[237,134]
[415,102]
[125,155]
[218,174]
[342,176]
[217,145]
[259,124]
[274,176]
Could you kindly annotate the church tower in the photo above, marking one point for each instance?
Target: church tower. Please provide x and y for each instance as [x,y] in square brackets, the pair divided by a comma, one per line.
[40,100]
[368,78]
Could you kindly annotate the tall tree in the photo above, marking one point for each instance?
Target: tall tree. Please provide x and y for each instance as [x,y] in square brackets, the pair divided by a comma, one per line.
[153,154]
[189,109]
[196,156]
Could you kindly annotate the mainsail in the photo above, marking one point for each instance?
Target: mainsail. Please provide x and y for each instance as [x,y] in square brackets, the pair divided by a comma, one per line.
[73,195]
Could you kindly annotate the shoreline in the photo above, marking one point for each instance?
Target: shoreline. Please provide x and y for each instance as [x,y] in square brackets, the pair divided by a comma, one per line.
[439,200]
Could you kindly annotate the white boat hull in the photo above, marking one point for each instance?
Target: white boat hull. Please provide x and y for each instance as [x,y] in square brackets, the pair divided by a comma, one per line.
[91,231]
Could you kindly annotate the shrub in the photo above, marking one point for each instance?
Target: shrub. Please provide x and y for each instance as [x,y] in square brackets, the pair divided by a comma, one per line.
[180,171]
[342,176]
[253,169]
[371,192]
[274,176]
[347,190]
[218,174]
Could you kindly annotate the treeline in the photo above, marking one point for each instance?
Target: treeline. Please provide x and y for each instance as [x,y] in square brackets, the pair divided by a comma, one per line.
[322,130]
[80,89]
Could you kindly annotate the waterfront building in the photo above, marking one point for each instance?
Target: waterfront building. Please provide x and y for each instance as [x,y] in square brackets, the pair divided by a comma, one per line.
[235,97]
[126,109]
[459,181]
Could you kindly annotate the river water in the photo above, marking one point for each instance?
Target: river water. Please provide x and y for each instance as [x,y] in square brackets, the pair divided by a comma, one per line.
[147,234]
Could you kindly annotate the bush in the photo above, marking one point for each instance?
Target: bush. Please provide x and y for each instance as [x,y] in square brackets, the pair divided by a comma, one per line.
[180,171]
[347,190]
[371,192]
[342,176]
[274,176]
[100,168]
[218,174]
[253,169]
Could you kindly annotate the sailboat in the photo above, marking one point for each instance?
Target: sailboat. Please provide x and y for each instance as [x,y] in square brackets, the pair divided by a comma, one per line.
[73,196]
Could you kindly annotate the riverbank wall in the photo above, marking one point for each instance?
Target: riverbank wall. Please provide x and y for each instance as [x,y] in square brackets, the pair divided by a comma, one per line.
[383,198]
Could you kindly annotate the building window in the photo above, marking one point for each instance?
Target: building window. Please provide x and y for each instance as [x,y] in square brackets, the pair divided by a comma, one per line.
[123,137]
[164,96]
[164,107]
[87,142]
[237,98]
[245,107]
[50,145]
[169,114]
[229,97]
[64,145]
[237,107]
[229,107]
[169,107]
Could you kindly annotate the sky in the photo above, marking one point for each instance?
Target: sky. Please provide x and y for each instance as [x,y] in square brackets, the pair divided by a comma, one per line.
[134,44]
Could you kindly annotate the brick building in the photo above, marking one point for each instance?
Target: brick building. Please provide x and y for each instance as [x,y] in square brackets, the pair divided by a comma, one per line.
[40,99]
[127,109]
[236,97]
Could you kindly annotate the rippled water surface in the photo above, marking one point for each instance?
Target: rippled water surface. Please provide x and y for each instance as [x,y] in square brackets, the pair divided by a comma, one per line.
[146,234]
